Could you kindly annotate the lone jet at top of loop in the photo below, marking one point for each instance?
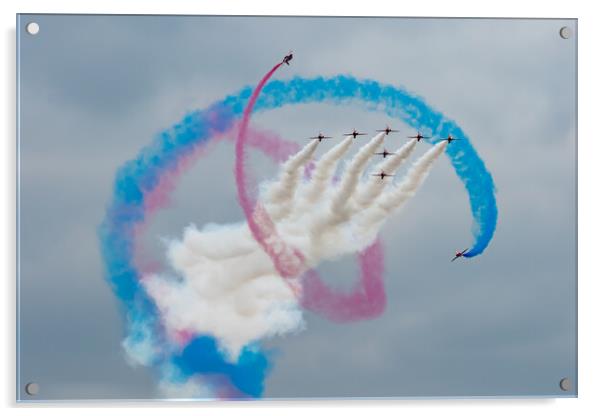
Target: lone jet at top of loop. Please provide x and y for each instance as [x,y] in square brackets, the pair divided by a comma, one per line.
[384,153]
[320,137]
[449,138]
[459,254]
[382,175]
[288,58]
[418,137]
[388,130]
[354,133]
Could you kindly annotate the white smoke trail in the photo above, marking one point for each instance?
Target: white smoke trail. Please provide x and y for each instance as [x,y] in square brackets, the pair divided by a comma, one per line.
[373,188]
[280,193]
[324,170]
[352,174]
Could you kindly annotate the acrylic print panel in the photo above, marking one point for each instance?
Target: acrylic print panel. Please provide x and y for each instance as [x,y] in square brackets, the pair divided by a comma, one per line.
[186,231]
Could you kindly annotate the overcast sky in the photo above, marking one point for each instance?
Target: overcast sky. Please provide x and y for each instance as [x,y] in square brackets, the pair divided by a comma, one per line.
[96,89]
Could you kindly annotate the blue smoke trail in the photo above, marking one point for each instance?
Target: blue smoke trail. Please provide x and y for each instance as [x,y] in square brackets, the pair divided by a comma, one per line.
[126,211]
[203,356]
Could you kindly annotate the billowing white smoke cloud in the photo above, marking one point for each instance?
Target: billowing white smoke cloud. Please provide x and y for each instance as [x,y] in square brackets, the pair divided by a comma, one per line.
[228,287]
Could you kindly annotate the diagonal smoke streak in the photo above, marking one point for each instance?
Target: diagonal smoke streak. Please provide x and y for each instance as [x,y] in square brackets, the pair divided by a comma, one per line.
[352,175]
[372,189]
[324,170]
[280,194]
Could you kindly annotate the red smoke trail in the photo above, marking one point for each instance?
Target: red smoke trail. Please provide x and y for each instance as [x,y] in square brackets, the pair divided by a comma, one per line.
[288,261]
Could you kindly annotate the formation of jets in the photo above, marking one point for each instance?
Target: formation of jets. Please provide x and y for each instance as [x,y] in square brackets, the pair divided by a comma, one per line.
[385,153]
[418,136]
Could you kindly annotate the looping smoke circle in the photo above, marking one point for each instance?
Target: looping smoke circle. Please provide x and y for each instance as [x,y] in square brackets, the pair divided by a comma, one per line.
[156,169]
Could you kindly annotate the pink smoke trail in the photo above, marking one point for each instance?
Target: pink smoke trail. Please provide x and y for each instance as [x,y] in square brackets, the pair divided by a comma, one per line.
[288,261]
[367,299]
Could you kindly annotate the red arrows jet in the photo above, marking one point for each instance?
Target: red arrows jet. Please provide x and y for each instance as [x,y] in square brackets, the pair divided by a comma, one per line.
[320,137]
[388,130]
[288,58]
[459,254]
[384,153]
[418,137]
[382,175]
[449,138]
[354,133]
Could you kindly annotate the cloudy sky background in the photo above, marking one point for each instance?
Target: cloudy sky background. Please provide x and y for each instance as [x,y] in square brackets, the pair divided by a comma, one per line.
[95,89]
